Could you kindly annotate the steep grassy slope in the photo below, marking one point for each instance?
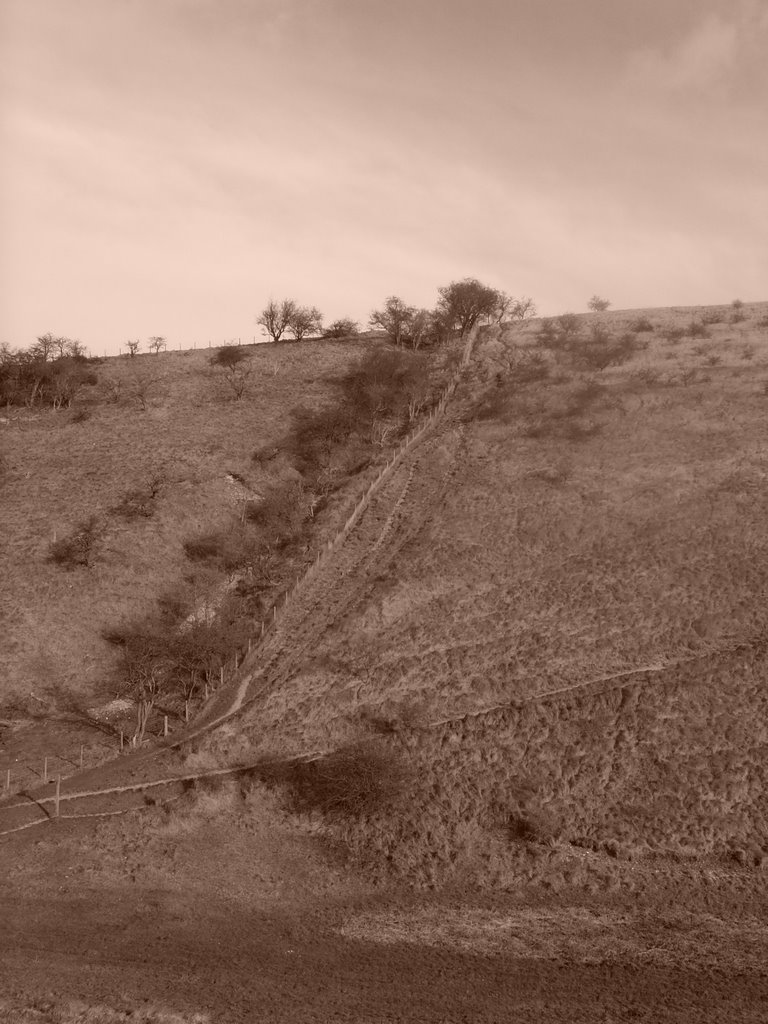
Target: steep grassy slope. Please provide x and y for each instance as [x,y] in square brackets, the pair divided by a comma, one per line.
[627,562]
[191,437]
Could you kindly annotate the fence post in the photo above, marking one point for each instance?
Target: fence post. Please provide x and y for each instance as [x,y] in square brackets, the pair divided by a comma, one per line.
[8,781]
[165,725]
[45,771]
[122,741]
[81,755]
[58,796]
[221,675]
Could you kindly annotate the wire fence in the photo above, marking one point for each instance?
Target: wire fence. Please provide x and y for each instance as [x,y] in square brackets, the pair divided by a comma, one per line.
[17,777]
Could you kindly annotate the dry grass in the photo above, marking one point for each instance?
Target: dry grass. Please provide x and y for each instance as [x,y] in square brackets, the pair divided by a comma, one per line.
[551,564]
[191,444]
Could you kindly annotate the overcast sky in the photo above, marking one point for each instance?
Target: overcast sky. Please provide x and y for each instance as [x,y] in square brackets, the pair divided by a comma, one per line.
[168,165]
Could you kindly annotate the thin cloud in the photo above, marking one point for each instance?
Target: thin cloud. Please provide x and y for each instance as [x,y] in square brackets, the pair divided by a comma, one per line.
[717,48]
[703,56]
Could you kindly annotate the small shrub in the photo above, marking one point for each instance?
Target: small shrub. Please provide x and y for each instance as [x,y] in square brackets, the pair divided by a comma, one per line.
[696,329]
[352,782]
[674,335]
[748,352]
[640,325]
[648,376]
[279,514]
[75,550]
[737,317]
[601,349]
[737,304]
[266,453]
[80,415]
[713,359]
[713,317]
[343,328]
[548,335]
[701,350]
[529,368]
[229,549]
[532,826]
[569,325]
[139,503]
[762,322]
[493,405]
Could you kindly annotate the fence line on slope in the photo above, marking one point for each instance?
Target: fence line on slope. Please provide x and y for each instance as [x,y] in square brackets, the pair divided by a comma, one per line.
[280,606]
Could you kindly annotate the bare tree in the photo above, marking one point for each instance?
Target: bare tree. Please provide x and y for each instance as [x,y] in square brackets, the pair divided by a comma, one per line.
[156,344]
[231,361]
[276,317]
[61,346]
[143,387]
[304,321]
[394,319]
[133,347]
[76,349]
[523,309]
[464,303]
[45,347]
[598,305]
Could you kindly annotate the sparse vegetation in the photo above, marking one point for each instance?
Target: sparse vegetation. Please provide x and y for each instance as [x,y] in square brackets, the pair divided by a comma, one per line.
[598,305]
[352,782]
[75,550]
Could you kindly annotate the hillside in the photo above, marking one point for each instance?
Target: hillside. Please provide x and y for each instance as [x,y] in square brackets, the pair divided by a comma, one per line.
[502,753]
[193,441]
[601,535]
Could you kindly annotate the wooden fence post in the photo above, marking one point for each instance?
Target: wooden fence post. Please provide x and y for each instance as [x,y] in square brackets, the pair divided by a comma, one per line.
[81,755]
[165,725]
[221,675]
[8,781]
[45,771]
[122,741]
[58,796]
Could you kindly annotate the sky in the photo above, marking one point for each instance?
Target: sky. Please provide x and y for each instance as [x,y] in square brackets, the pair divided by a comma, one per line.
[171,165]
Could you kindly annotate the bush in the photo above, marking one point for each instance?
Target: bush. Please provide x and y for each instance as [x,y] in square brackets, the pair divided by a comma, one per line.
[548,335]
[601,349]
[75,550]
[139,503]
[715,316]
[343,328]
[351,782]
[280,514]
[228,549]
[674,335]
[229,356]
[696,329]
[640,325]
[529,368]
